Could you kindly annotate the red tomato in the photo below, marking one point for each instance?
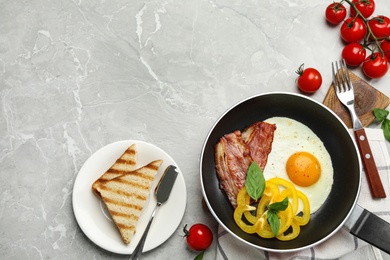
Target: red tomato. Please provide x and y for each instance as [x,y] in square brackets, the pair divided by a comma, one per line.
[385,46]
[380,26]
[199,237]
[353,30]
[375,66]
[354,54]
[309,79]
[335,13]
[365,7]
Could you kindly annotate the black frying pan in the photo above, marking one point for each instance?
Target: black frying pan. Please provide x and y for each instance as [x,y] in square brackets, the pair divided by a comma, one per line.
[340,205]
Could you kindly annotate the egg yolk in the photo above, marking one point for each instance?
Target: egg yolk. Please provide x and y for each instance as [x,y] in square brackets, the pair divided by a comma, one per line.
[303,169]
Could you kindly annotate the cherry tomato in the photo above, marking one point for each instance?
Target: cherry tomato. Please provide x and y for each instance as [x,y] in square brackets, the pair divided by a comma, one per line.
[380,26]
[365,7]
[335,13]
[375,66]
[353,30]
[354,54]
[309,79]
[199,237]
[385,46]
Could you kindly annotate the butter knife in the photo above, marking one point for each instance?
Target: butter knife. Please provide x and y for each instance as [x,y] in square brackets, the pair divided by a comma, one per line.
[162,192]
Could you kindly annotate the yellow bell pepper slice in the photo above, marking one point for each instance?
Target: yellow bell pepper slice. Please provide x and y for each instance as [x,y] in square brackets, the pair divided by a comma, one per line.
[253,219]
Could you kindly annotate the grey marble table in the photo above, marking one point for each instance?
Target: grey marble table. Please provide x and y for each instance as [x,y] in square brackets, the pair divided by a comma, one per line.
[78,75]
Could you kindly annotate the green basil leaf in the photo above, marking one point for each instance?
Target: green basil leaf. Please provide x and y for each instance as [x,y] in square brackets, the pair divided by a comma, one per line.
[279,206]
[386,129]
[255,182]
[273,221]
[200,256]
[380,114]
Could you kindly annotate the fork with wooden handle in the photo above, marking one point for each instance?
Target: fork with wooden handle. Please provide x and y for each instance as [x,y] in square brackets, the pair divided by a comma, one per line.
[345,93]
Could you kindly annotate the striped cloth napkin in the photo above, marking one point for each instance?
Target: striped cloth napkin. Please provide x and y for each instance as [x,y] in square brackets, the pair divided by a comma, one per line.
[342,245]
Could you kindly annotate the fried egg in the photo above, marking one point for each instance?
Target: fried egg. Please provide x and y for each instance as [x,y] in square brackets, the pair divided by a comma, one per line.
[298,155]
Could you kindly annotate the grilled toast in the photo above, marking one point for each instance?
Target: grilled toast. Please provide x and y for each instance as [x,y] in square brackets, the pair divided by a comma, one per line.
[125,197]
[124,164]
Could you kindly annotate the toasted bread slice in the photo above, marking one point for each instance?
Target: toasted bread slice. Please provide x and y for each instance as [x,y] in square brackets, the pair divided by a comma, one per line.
[124,164]
[125,197]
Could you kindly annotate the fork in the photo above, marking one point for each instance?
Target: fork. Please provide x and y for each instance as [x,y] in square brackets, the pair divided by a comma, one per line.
[344,90]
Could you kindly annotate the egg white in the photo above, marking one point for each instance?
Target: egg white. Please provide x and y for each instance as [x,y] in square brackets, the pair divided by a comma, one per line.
[290,137]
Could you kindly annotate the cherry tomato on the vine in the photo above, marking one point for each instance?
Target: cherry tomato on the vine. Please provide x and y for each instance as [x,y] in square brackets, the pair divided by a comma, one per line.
[309,79]
[375,66]
[354,54]
[199,237]
[380,26]
[353,30]
[385,46]
[335,13]
[365,7]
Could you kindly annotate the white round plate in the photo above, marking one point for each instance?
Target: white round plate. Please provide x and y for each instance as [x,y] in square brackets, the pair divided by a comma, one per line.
[94,219]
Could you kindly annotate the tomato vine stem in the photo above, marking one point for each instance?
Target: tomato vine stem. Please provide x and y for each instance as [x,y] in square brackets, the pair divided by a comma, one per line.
[370,34]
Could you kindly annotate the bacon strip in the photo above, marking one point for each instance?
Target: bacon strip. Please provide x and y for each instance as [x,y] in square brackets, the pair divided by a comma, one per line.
[259,138]
[232,162]
[236,151]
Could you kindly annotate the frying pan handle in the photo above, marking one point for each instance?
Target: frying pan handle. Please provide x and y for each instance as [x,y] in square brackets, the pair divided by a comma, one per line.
[371,228]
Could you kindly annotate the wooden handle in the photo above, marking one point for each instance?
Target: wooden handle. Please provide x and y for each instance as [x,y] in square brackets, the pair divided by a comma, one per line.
[373,177]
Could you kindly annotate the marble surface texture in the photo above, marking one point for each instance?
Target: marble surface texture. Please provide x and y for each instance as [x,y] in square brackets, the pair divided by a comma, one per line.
[78,75]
